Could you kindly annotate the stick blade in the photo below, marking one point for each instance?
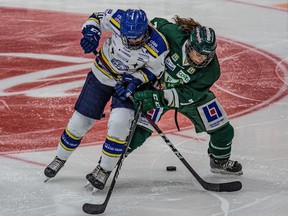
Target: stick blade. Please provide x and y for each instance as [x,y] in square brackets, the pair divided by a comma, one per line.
[94,208]
[222,187]
[230,186]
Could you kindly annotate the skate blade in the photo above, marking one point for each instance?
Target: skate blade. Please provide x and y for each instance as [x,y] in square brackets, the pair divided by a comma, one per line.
[224,172]
[88,185]
[95,190]
[47,179]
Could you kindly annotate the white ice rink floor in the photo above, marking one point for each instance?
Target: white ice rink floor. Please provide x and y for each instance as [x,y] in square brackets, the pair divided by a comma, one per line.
[144,187]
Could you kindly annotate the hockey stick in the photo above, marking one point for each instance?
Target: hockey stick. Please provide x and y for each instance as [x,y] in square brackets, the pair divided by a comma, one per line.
[219,187]
[100,208]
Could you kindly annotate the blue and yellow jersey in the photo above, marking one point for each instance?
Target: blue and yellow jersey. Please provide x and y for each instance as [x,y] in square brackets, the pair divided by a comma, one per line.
[145,63]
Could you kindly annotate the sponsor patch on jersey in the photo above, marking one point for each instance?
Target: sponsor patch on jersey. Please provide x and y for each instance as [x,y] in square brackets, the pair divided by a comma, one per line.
[175,57]
[116,18]
[170,64]
[144,54]
[191,70]
[119,65]
[108,11]
[154,114]
[212,115]
[153,45]
[183,76]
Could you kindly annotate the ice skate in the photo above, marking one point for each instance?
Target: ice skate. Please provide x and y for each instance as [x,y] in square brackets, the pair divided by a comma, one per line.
[53,168]
[98,178]
[229,167]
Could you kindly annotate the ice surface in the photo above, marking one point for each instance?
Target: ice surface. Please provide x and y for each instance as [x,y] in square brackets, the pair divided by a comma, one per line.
[144,187]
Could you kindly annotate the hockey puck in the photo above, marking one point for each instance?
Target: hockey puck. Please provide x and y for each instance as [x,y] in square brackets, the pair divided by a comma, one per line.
[171,168]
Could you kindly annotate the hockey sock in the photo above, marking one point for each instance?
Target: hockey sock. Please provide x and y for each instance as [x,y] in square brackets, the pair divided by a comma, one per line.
[67,145]
[140,136]
[111,151]
[220,143]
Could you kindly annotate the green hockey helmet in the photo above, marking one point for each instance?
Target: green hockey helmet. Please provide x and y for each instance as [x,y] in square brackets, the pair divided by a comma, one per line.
[203,40]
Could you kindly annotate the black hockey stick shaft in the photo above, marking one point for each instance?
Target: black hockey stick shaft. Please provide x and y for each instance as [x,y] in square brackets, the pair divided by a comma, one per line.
[100,208]
[219,187]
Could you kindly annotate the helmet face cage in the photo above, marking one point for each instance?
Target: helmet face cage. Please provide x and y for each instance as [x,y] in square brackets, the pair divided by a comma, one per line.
[133,25]
[203,41]
[136,45]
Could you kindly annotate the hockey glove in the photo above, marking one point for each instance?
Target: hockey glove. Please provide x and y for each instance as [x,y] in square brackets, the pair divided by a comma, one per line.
[152,99]
[120,90]
[127,78]
[133,84]
[91,38]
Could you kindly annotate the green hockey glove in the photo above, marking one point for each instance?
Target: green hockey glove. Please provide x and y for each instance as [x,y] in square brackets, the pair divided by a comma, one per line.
[152,99]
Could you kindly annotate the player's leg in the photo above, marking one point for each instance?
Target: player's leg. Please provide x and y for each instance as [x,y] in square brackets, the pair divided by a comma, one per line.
[120,120]
[70,139]
[118,129]
[89,107]
[144,128]
[220,150]
[208,115]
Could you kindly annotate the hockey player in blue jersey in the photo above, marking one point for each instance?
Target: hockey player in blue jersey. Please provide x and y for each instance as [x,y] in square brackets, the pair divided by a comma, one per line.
[135,54]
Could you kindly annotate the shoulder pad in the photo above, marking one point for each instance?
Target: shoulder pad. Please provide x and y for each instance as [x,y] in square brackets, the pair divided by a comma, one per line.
[157,22]
[157,43]
[116,17]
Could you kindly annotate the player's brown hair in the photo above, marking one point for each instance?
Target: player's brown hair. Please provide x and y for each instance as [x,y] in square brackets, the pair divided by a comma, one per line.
[187,24]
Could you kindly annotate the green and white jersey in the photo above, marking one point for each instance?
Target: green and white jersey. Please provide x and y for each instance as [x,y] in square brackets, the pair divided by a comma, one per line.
[187,83]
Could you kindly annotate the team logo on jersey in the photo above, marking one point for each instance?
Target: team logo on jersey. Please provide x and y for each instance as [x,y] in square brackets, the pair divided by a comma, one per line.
[175,57]
[170,82]
[212,115]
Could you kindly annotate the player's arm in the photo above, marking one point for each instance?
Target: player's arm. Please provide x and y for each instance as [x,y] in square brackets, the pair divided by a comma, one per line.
[175,97]
[182,95]
[130,82]
[93,28]
[152,70]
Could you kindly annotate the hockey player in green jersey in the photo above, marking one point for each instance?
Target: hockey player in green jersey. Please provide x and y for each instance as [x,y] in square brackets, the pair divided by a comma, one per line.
[192,68]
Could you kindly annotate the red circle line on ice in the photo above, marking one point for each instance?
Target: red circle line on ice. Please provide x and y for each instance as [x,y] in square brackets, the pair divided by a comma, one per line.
[43,68]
